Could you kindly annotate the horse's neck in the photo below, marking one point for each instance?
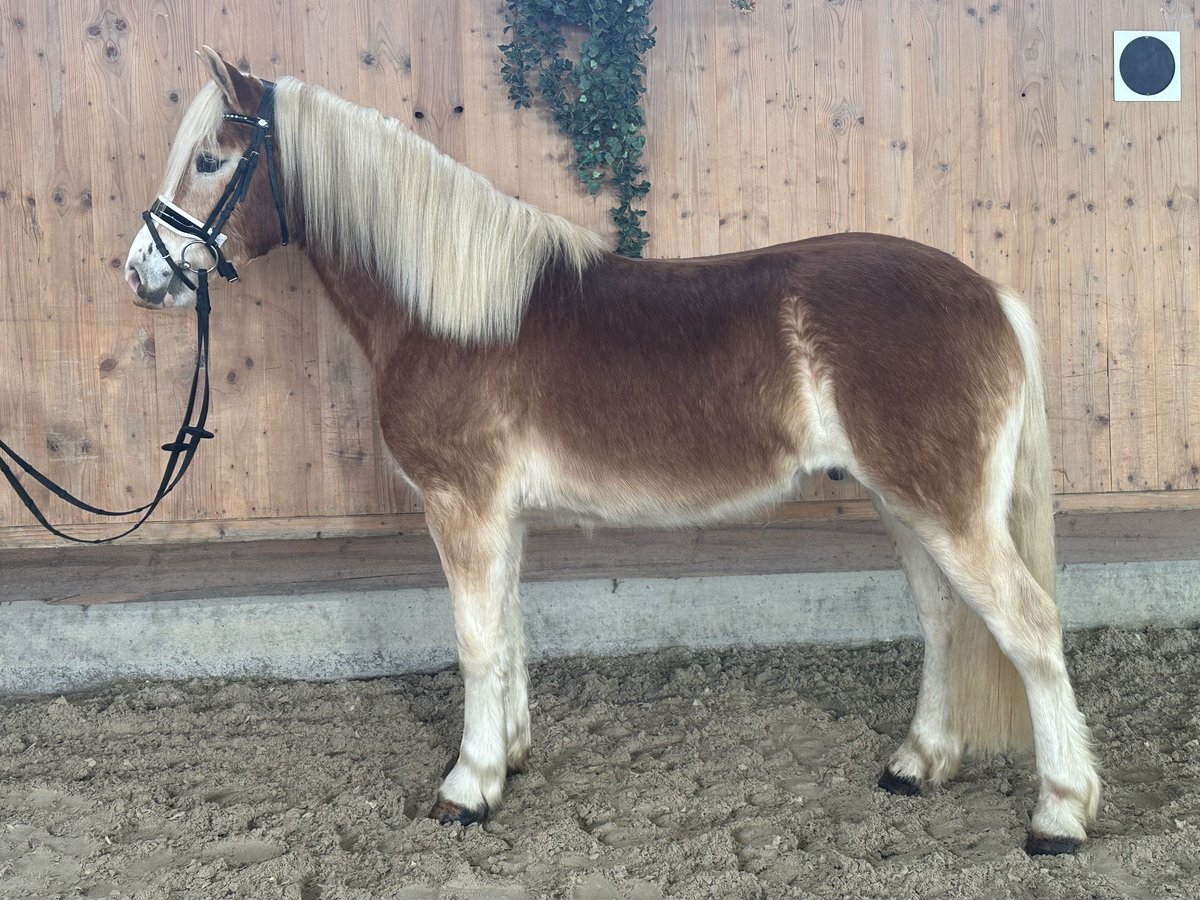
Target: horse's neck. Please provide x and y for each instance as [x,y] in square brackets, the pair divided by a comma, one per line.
[373,316]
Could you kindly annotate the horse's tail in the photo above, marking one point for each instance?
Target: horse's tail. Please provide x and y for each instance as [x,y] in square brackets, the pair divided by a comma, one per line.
[989,706]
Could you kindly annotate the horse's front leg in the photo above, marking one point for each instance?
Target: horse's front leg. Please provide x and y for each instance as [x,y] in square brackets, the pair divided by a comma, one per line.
[516,675]
[481,554]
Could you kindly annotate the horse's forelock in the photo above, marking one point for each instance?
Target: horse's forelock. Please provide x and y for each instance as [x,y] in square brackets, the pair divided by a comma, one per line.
[198,131]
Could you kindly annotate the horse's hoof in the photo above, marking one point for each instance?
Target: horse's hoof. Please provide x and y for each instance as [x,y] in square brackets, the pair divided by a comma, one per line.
[1042,845]
[514,770]
[900,785]
[446,813]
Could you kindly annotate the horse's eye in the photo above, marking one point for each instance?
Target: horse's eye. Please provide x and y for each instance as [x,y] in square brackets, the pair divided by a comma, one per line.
[206,163]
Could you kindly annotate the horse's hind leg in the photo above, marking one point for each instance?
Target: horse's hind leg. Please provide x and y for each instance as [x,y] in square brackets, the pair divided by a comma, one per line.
[987,571]
[480,553]
[932,751]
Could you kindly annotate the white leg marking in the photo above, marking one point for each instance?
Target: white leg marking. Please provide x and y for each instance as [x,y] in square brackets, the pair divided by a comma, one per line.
[516,676]
[481,560]
[990,576]
[931,753]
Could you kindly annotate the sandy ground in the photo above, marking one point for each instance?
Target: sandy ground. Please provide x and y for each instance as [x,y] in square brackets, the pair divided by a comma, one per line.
[680,774]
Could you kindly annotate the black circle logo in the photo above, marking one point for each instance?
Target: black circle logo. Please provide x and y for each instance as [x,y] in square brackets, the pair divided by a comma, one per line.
[1147,65]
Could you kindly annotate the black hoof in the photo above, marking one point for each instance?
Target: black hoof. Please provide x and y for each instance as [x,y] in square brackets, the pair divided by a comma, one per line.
[900,785]
[1041,845]
[514,770]
[446,813]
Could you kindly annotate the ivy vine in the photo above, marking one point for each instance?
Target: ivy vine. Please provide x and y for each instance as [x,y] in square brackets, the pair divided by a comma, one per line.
[595,100]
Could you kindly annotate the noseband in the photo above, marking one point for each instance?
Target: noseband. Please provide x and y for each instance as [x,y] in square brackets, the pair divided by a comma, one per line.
[208,235]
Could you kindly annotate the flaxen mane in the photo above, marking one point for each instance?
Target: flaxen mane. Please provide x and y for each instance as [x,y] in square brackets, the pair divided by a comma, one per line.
[462,255]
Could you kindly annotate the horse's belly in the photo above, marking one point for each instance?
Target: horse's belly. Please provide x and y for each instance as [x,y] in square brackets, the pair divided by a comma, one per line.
[572,487]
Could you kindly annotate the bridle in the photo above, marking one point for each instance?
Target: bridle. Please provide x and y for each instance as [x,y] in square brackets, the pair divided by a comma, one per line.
[206,234]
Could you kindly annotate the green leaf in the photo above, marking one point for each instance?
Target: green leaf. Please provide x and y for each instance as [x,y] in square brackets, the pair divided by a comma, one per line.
[595,101]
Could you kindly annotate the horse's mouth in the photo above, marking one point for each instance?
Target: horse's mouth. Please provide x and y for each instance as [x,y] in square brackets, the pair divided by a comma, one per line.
[166,298]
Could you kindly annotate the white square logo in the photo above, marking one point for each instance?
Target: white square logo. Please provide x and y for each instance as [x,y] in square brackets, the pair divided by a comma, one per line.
[1146,65]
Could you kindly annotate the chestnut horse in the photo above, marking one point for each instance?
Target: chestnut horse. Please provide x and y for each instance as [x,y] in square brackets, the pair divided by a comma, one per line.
[519,365]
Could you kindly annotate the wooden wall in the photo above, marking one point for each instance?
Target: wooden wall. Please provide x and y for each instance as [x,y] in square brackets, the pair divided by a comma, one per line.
[986,129]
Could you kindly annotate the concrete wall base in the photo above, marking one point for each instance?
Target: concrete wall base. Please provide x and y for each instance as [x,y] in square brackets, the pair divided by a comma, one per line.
[49,648]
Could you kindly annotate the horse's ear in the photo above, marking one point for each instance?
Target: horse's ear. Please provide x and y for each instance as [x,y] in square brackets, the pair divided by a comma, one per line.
[236,86]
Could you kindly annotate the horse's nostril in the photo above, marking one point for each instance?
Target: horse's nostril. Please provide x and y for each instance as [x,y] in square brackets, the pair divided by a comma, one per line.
[133,279]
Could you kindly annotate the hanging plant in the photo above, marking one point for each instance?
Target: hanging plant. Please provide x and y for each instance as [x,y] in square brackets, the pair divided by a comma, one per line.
[596,99]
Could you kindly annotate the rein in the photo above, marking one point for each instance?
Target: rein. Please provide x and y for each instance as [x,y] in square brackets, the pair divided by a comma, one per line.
[207,234]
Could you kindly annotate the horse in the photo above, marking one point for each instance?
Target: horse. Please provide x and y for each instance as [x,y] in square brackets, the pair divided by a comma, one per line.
[521,366]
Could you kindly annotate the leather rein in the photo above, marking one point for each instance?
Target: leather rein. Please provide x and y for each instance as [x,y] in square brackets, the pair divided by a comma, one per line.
[207,234]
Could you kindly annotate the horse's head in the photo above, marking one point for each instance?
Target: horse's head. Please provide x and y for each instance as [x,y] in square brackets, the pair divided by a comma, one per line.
[235,210]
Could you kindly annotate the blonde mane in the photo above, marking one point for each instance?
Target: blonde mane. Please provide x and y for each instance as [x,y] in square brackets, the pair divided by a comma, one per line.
[460,254]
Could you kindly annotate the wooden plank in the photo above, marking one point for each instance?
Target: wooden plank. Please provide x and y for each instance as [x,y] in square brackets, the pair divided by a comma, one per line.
[1036,189]
[888,173]
[123,346]
[791,212]
[63,441]
[936,156]
[1126,501]
[1174,225]
[262,347]
[681,145]
[1130,276]
[20,408]
[1185,362]
[741,113]
[287,567]
[985,134]
[1079,215]
[840,113]
[177,572]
